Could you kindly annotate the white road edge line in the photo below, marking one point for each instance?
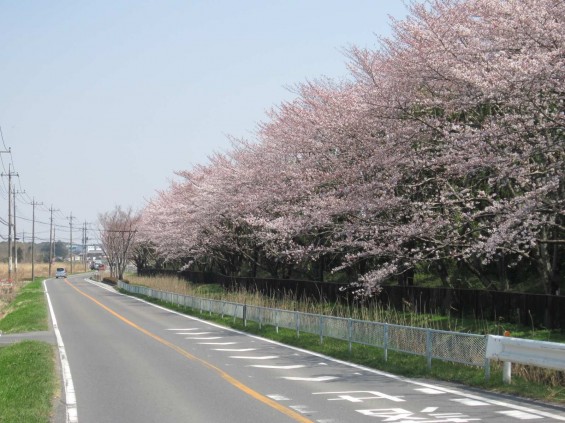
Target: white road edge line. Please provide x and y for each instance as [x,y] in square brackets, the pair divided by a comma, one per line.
[70,397]
[356,366]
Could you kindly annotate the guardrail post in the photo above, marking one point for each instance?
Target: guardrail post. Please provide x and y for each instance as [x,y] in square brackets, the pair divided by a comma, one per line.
[487,369]
[260,318]
[297,319]
[277,320]
[507,372]
[429,348]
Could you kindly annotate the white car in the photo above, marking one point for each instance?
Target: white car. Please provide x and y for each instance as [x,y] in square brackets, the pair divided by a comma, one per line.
[60,273]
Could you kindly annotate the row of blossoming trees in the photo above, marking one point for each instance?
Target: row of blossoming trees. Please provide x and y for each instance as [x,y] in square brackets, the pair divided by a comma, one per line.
[442,152]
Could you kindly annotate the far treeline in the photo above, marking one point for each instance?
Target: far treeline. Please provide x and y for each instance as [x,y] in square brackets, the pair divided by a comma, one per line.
[439,159]
[41,252]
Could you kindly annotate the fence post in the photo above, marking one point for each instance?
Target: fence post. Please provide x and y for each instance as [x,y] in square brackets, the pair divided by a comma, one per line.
[277,320]
[386,343]
[429,348]
[350,333]
[260,318]
[297,319]
[245,315]
[321,329]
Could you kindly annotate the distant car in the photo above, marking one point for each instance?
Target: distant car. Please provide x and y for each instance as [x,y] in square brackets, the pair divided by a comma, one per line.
[60,273]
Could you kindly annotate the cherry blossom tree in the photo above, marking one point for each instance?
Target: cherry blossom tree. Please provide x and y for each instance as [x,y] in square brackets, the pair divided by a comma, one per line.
[117,234]
[444,148]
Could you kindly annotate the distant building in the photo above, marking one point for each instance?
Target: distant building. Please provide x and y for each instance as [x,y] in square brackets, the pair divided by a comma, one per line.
[94,252]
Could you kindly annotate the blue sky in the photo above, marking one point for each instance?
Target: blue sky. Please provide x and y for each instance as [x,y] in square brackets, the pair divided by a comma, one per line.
[102,101]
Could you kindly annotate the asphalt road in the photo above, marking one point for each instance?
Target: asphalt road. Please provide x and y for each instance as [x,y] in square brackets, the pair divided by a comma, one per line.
[131,361]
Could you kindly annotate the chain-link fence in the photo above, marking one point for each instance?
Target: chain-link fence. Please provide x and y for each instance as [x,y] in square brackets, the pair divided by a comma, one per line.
[455,347]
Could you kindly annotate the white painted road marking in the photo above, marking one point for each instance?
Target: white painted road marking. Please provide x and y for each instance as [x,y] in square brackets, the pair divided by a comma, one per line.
[194,333]
[311,379]
[235,349]
[469,402]
[347,396]
[430,391]
[70,397]
[265,357]
[520,415]
[266,366]
[404,416]
[277,397]
[302,409]
[205,338]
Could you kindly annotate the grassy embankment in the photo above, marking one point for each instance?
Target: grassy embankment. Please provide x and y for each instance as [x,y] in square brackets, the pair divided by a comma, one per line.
[527,381]
[27,369]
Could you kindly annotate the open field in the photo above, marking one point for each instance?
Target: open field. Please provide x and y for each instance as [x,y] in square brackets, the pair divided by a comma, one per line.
[23,271]
[9,287]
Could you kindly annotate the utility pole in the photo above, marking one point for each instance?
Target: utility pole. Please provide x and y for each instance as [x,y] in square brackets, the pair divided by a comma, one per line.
[8,151]
[84,244]
[71,246]
[16,236]
[51,239]
[33,204]
[9,175]
[15,241]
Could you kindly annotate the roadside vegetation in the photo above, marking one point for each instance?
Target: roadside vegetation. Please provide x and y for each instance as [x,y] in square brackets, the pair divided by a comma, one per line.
[27,372]
[27,369]
[28,310]
[527,381]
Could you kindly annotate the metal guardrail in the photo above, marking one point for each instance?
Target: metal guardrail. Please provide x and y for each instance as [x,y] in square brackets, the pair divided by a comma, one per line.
[550,355]
[455,347]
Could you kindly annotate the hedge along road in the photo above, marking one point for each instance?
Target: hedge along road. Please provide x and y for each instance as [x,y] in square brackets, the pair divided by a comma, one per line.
[134,361]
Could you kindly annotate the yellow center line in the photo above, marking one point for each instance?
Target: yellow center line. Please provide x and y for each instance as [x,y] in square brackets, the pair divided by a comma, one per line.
[239,385]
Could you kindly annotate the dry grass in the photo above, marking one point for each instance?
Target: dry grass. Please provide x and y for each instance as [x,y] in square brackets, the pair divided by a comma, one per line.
[290,302]
[9,289]
[23,272]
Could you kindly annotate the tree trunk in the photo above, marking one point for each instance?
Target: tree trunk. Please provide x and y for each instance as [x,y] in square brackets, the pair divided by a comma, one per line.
[443,273]
[502,274]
